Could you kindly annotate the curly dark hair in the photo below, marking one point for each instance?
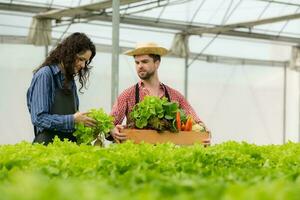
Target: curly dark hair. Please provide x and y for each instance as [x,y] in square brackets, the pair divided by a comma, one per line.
[66,53]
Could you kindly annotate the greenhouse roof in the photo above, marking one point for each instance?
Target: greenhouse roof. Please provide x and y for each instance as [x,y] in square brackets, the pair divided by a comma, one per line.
[255,22]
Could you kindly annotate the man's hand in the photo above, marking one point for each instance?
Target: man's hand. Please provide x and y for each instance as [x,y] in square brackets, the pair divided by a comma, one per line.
[81,117]
[117,135]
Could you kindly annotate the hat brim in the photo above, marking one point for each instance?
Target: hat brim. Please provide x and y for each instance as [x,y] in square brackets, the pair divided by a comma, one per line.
[147,50]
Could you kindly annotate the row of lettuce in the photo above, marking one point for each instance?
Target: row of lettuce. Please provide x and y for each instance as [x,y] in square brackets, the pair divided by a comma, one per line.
[231,170]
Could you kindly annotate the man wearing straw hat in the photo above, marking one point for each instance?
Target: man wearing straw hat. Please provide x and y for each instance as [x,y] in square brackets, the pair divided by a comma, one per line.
[147,58]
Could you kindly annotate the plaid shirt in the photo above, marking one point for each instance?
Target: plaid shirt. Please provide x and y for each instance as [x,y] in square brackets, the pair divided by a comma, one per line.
[126,101]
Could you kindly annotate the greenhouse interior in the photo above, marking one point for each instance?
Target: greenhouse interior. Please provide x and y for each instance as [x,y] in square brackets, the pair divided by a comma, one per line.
[235,63]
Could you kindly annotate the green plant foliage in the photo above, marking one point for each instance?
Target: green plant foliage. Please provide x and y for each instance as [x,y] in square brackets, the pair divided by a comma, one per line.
[85,135]
[155,113]
[64,170]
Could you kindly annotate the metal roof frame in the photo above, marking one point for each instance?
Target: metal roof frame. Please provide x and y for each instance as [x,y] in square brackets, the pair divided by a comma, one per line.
[185,27]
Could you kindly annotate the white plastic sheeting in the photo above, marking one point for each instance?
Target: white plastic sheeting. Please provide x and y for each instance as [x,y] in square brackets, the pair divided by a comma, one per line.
[242,103]
[40,32]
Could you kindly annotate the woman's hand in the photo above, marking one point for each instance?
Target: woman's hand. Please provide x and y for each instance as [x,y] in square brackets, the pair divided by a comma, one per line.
[81,117]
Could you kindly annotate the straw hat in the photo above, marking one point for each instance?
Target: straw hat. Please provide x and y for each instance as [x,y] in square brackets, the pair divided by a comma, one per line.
[147,48]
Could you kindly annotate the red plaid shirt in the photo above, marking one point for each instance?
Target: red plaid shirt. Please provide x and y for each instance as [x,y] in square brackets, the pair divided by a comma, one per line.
[126,101]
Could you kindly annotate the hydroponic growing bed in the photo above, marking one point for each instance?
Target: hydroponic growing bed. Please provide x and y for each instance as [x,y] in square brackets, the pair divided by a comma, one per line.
[164,171]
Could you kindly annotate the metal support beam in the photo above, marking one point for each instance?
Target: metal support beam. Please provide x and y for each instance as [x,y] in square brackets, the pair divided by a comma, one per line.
[298,106]
[22,8]
[236,61]
[186,69]
[9,39]
[46,51]
[186,76]
[115,52]
[284,104]
[249,24]
[281,2]
[183,27]
[80,11]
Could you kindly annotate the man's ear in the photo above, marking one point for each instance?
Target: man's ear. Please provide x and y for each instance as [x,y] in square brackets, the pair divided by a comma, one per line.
[157,63]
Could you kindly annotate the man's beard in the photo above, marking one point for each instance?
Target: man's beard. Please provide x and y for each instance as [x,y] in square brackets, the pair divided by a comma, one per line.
[146,75]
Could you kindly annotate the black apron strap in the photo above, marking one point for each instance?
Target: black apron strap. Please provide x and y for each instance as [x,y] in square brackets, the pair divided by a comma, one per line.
[166,93]
[137,94]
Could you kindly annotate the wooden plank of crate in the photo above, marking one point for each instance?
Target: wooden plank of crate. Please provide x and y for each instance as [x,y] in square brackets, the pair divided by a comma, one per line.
[180,138]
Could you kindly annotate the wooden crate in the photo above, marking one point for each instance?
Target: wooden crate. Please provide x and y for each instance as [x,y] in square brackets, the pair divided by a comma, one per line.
[180,138]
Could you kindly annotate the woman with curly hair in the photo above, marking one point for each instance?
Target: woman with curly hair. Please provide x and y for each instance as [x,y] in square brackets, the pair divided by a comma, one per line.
[52,97]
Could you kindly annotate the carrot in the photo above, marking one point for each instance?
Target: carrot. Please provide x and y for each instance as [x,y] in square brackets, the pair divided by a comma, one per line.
[178,121]
[189,124]
[182,126]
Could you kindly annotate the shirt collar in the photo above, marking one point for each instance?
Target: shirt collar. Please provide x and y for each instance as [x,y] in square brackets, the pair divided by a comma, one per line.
[55,69]
[57,72]
[141,84]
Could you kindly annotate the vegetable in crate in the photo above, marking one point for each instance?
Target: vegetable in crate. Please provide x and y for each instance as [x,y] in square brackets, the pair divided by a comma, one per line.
[199,128]
[155,113]
[86,135]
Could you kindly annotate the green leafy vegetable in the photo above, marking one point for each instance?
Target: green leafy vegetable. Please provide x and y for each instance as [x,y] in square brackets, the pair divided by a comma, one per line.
[231,171]
[104,124]
[155,113]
